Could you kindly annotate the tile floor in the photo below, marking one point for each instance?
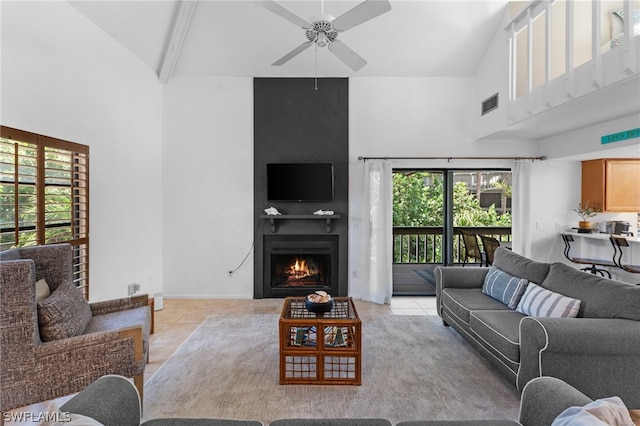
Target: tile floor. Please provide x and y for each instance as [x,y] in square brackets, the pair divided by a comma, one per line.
[180,317]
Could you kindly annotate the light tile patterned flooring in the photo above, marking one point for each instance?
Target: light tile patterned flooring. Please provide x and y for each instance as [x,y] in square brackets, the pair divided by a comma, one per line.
[180,317]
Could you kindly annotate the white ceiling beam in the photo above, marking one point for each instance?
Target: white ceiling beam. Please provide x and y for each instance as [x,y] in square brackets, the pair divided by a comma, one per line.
[181,23]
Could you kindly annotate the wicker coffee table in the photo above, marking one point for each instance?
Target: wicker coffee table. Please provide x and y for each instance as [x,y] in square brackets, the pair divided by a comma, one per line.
[324,349]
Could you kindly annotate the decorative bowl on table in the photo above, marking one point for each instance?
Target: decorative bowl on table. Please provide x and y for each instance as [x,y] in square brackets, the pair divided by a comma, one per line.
[318,302]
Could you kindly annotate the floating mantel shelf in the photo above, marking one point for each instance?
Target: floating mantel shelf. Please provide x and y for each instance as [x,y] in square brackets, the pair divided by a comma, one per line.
[272,219]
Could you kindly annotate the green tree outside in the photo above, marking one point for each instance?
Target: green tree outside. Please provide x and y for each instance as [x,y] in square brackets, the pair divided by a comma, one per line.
[418,199]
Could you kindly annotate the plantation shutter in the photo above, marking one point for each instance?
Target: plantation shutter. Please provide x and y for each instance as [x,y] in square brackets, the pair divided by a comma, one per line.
[44,195]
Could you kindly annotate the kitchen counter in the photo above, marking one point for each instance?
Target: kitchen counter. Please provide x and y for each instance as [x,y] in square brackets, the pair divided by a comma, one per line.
[601,236]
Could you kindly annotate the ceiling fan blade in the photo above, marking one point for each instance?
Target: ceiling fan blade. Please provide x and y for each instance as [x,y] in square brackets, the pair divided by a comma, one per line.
[363,12]
[285,13]
[293,53]
[346,55]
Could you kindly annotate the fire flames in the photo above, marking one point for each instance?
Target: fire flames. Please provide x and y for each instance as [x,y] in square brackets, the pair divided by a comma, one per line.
[299,269]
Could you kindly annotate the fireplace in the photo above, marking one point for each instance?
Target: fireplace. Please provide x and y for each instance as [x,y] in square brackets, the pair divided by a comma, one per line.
[296,265]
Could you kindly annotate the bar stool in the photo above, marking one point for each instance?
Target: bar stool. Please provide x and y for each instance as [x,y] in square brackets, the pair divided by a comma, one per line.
[568,239]
[618,243]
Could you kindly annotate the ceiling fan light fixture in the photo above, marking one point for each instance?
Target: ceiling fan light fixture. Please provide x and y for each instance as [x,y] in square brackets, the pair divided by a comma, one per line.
[322,40]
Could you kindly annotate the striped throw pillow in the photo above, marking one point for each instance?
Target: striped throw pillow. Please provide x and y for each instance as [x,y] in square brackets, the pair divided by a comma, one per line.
[540,302]
[504,287]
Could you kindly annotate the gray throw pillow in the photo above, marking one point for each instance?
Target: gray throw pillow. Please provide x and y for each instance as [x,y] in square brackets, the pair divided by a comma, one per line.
[504,287]
[64,314]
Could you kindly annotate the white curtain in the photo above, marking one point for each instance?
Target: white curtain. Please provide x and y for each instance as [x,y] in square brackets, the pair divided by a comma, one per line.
[521,207]
[377,233]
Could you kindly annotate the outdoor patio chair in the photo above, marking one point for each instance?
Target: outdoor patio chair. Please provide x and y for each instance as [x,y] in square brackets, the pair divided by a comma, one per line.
[471,247]
[489,246]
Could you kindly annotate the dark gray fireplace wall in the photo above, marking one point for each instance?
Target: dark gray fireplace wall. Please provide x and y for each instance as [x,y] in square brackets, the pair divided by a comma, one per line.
[293,122]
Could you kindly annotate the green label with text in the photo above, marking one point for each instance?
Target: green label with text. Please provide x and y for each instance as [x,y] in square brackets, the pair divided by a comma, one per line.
[621,136]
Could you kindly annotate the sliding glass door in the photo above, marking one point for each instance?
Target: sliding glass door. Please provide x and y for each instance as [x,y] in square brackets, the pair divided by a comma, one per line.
[431,211]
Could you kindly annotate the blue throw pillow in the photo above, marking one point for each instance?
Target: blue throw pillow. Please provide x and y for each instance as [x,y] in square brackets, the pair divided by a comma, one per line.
[504,287]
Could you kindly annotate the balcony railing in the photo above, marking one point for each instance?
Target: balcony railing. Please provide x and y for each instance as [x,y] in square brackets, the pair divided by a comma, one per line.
[423,244]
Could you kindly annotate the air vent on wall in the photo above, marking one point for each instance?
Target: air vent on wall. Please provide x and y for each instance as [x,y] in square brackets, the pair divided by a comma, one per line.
[489,104]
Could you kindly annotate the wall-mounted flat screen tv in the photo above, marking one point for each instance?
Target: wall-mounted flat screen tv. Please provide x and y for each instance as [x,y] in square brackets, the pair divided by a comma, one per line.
[300,181]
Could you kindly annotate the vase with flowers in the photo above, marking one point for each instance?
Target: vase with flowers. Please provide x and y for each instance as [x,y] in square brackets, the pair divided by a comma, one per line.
[585,211]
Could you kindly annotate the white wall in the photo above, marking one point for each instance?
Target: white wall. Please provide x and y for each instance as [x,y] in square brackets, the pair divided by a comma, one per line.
[208,187]
[188,149]
[63,77]
[413,117]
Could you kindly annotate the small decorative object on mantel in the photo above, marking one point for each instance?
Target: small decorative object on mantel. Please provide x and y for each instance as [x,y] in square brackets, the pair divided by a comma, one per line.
[324,212]
[319,302]
[272,211]
[585,212]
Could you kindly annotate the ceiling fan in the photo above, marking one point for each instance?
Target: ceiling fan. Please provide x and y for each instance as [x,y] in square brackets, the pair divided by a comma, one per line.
[323,30]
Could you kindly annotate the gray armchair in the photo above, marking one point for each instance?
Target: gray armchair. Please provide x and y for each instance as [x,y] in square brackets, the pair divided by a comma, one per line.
[109,337]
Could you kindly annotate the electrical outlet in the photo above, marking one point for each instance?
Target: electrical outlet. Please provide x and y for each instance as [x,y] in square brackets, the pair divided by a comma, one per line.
[132,288]
[354,274]
[538,226]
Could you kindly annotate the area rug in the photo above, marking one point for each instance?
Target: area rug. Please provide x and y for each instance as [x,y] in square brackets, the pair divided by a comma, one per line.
[413,368]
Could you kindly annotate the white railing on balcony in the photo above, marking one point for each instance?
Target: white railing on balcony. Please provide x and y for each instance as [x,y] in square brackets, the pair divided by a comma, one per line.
[562,49]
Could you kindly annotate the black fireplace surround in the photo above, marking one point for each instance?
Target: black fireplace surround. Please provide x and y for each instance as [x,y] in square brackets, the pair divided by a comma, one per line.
[295,123]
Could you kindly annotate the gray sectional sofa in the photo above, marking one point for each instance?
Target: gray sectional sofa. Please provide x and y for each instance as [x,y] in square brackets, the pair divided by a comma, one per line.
[113,401]
[597,351]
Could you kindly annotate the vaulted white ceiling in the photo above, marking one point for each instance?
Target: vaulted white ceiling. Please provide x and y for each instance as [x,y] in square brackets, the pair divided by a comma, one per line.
[240,38]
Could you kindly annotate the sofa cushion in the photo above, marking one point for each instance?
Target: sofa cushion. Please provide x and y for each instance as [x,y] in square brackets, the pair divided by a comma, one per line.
[64,314]
[122,319]
[499,330]
[540,302]
[461,301]
[600,297]
[504,287]
[519,266]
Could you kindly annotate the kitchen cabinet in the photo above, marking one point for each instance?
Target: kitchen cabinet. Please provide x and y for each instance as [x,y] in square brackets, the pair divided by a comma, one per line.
[612,184]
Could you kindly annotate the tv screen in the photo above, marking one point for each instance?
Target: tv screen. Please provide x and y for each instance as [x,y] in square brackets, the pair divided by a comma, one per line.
[300,181]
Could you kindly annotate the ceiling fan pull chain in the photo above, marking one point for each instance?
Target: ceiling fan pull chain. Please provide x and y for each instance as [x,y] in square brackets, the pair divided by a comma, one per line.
[316,66]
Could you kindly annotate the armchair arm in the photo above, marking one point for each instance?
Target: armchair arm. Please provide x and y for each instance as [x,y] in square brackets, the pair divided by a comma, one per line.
[600,357]
[123,304]
[68,365]
[111,400]
[544,398]
[116,305]
[457,277]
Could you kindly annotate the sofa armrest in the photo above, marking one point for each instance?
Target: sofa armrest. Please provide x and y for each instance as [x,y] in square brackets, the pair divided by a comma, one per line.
[600,357]
[544,398]
[457,277]
[111,400]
